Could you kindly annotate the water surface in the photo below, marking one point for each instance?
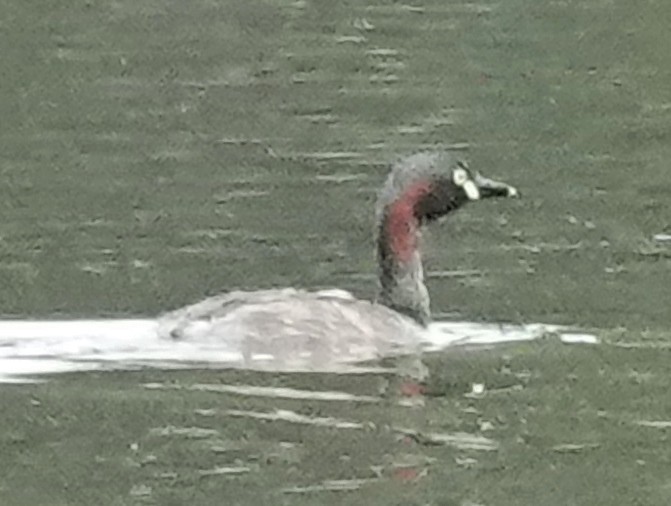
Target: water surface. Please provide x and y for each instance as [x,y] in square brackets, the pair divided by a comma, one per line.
[157,152]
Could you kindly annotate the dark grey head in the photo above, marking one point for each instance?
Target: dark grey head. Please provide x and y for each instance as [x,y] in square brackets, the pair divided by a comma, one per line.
[420,189]
[435,184]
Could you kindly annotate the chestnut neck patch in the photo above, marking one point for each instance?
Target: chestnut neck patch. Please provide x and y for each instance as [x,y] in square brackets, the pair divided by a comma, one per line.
[402,224]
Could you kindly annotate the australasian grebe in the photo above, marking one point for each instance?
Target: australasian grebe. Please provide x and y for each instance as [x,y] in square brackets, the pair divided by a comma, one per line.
[290,329]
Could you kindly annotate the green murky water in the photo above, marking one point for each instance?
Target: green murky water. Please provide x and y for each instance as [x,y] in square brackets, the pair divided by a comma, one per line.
[155,152]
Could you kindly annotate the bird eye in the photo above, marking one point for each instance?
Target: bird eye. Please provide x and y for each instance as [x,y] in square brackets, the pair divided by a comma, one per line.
[459,176]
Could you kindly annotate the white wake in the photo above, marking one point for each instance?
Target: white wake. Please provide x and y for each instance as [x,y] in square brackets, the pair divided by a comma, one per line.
[33,348]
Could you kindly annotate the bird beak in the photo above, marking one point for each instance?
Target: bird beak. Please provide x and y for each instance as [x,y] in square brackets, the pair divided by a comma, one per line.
[490,188]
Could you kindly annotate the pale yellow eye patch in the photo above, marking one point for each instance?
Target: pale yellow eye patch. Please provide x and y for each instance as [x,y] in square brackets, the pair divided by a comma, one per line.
[461,178]
[472,190]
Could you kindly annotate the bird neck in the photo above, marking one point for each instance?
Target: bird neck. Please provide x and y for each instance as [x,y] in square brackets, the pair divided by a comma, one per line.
[401,274]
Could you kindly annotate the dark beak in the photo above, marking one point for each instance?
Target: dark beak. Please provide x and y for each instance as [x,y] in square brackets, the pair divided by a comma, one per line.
[490,188]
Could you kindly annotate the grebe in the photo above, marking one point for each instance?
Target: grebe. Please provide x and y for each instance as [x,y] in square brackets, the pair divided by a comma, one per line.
[293,330]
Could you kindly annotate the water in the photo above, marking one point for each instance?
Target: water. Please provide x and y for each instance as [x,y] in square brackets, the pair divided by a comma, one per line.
[31,349]
[156,153]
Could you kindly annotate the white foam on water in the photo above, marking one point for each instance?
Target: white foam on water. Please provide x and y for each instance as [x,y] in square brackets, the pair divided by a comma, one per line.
[33,348]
